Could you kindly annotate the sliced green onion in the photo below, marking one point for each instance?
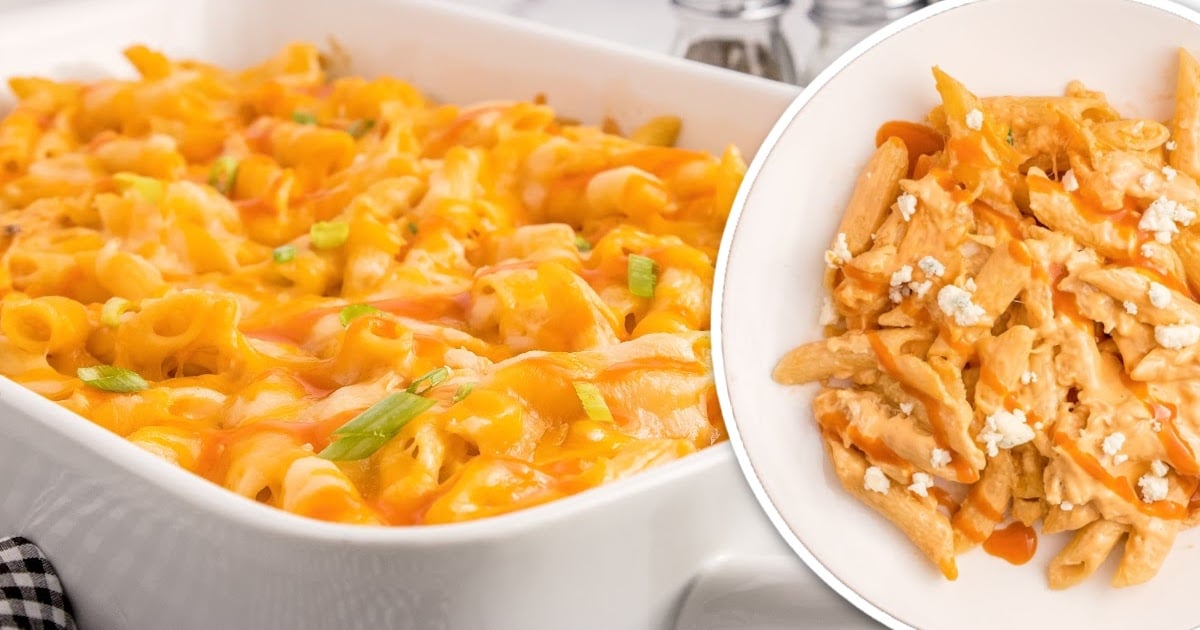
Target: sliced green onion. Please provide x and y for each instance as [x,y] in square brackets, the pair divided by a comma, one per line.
[462,392]
[412,228]
[354,311]
[432,377]
[373,428]
[359,128]
[110,313]
[593,402]
[329,234]
[112,379]
[147,188]
[304,118]
[283,253]
[1009,137]
[223,173]
[642,276]
[582,244]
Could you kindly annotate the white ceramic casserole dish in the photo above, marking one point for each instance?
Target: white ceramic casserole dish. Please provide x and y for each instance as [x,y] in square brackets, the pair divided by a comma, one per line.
[141,544]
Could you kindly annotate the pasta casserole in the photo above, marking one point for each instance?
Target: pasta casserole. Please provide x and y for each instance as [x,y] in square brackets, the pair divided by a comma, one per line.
[335,296]
[1011,337]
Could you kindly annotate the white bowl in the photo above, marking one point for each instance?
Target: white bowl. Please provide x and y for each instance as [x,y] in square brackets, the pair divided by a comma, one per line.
[141,544]
[769,295]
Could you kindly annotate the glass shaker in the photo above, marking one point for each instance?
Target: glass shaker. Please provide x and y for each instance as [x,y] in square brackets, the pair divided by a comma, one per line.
[844,23]
[742,35]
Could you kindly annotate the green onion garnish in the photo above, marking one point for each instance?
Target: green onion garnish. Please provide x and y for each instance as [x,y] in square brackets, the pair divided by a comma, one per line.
[147,188]
[432,377]
[112,379]
[593,402]
[642,276]
[359,128]
[110,313]
[223,173]
[371,429]
[582,244]
[304,118]
[412,227]
[329,234]
[283,253]
[462,392]
[1009,138]
[354,311]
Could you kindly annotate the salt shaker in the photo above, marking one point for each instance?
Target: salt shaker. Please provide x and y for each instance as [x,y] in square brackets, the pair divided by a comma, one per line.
[741,35]
[843,23]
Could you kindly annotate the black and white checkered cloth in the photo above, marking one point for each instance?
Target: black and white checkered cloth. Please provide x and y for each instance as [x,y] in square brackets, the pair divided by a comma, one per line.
[31,595]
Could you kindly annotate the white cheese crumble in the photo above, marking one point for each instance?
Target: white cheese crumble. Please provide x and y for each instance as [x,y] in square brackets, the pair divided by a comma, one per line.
[919,289]
[970,285]
[1066,506]
[1038,426]
[975,119]
[921,484]
[899,283]
[1175,336]
[906,408]
[956,302]
[907,205]
[839,254]
[829,315]
[1130,307]
[931,266]
[1146,180]
[1146,250]
[1155,425]
[1160,296]
[1171,145]
[1161,218]
[1153,488]
[1120,459]
[875,481]
[1158,468]
[1169,173]
[1070,184]
[1113,443]
[1028,378]
[1005,429]
[939,457]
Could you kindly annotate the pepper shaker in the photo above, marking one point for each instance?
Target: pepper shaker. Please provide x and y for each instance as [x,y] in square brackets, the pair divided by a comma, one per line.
[742,35]
[843,23]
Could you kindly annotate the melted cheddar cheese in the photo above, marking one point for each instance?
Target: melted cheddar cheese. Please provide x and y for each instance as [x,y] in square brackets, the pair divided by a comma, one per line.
[178,227]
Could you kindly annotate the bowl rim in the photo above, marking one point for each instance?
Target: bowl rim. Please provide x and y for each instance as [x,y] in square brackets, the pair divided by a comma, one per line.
[232,509]
[745,463]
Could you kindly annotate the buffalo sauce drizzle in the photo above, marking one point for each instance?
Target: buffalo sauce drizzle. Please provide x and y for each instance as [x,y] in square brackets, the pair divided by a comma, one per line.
[963,472]
[1015,542]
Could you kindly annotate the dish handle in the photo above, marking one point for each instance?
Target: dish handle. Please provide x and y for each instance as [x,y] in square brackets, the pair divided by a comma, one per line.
[769,592]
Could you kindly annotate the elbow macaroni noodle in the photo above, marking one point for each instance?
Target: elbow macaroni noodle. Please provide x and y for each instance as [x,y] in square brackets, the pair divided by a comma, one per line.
[1013,330]
[492,240]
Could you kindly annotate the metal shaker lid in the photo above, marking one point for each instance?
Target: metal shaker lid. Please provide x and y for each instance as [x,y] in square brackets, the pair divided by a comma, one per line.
[861,11]
[736,9]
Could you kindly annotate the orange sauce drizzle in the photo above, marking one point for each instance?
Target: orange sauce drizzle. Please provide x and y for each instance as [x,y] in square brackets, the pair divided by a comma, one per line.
[933,408]
[1121,486]
[944,499]
[1015,542]
[918,139]
[1179,453]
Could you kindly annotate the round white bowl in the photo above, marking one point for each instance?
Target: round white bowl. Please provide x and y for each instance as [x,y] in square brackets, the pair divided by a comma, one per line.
[769,294]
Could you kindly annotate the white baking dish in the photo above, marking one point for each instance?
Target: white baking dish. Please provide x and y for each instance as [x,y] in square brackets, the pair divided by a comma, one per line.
[141,544]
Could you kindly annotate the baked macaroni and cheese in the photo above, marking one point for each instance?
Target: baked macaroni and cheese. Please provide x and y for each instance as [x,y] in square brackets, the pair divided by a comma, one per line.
[1012,337]
[340,298]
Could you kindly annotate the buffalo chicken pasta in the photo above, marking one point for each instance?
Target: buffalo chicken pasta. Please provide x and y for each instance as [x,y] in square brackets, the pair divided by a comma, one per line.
[337,297]
[1012,337]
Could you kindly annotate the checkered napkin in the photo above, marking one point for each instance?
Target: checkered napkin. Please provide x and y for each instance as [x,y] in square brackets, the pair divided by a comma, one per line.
[31,595]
